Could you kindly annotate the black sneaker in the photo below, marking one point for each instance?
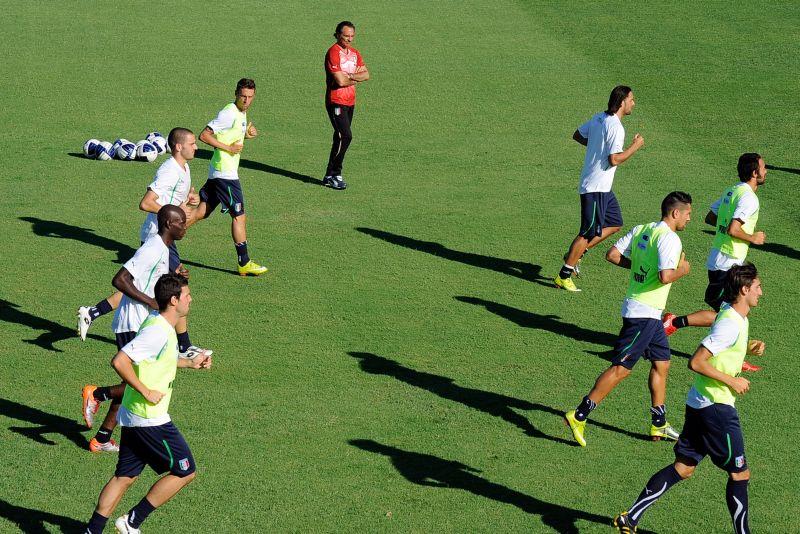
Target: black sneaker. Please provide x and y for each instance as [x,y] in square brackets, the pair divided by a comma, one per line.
[624,524]
[334,182]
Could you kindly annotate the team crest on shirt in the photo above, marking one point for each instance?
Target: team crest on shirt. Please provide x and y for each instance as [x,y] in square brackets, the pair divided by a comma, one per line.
[183,463]
[237,207]
[739,461]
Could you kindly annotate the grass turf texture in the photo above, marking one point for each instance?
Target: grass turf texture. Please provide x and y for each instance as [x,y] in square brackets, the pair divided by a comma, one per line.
[403,365]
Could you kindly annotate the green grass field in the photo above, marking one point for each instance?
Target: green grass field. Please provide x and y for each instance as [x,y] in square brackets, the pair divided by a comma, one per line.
[404,364]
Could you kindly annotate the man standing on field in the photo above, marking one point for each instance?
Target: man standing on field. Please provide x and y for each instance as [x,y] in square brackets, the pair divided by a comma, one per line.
[344,68]
[147,365]
[226,133]
[603,136]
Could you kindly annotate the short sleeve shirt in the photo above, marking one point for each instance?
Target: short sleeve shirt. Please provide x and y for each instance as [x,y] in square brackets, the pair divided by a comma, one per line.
[346,60]
[669,252]
[145,346]
[605,136]
[171,184]
[224,120]
[747,206]
[723,334]
[146,267]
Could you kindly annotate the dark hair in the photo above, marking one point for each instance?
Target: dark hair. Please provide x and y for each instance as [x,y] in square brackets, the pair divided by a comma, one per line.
[748,164]
[245,83]
[618,94]
[168,286]
[739,276]
[177,135]
[166,214]
[674,200]
[342,25]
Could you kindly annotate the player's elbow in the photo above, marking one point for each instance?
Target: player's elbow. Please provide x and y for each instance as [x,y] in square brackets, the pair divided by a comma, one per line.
[665,277]
[612,255]
[614,160]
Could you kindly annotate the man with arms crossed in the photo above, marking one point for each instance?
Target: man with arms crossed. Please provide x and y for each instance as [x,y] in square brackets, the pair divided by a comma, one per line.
[147,365]
[603,136]
[226,133]
[653,252]
[712,425]
[136,280]
[734,216]
[344,68]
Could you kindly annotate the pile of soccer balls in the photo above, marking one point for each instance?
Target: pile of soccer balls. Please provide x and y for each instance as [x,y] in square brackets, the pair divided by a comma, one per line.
[147,149]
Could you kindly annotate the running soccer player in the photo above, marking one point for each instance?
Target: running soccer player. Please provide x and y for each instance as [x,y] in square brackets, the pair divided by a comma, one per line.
[172,185]
[136,280]
[734,215]
[147,364]
[712,425]
[226,133]
[603,136]
[344,68]
[654,255]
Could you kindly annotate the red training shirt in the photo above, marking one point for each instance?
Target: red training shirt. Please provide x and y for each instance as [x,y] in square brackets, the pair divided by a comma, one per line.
[346,60]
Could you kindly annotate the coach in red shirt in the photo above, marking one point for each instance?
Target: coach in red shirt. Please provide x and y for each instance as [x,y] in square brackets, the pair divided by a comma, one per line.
[344,68]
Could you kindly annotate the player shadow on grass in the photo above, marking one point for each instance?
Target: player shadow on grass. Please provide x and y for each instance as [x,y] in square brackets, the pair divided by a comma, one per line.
[45,228]
[53,332]
[33,521]
[47,424]
[783,169]
[485,401]
[435,472]
[263,167]
[520,269]
[774,248]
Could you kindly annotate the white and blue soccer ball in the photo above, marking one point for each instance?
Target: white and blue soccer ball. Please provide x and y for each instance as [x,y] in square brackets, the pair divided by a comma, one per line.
[126,151]
[114,146]
[103,151]
[90,148]
[152,135]
[145,150]
[160,143]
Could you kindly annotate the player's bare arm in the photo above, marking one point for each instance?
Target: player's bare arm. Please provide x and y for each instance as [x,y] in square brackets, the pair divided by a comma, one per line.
[123,281]
[622,157]
[202,361]
[251,131]
[735,230]
[360,75]
[699,364]
[149,202]
[579,138]
[341,79]
[668,276]
[615,256]
[123,365]
[207,136]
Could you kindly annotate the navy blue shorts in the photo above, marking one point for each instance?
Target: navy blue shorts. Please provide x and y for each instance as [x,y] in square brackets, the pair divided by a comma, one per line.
[123,338]
[217,191]
[640,338]
[161,447]
[716,286]
[714,432]
[598,211]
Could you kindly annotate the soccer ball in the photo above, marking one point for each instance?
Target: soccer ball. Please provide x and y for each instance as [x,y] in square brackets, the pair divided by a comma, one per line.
[114,147]
[90,148]
[126,151]
[103,151]
[160,143]
[152,135]
[145,150]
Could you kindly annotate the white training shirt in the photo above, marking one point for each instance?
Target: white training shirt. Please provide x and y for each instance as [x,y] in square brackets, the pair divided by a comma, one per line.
[669,253]
[606,136]
[171,184]
[747,206]
[146,267]
[224,119]
[145,346]
[723,334]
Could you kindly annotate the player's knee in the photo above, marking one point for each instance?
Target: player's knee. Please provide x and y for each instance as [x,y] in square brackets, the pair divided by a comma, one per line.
[620,372]
[125,481]
[744,475]
[685,467]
